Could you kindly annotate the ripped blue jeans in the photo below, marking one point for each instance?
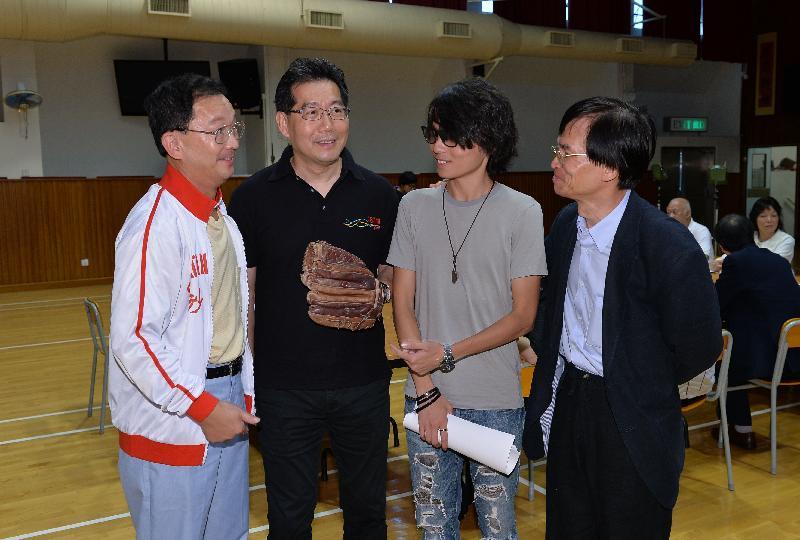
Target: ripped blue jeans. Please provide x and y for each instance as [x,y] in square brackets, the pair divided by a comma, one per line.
[436,481]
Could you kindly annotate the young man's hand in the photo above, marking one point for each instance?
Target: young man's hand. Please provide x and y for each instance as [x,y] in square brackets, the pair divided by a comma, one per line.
[433,423]
[422,357]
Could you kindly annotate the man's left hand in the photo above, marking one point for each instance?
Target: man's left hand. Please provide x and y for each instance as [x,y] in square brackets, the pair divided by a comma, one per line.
[422,357]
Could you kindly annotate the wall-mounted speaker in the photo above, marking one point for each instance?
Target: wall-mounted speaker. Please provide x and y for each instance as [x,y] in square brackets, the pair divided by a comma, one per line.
[241,78]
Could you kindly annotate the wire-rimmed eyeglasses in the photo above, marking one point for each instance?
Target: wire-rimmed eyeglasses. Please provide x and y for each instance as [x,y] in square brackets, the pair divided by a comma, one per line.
[430,134]
[221,135]
[559,154]
[312,114]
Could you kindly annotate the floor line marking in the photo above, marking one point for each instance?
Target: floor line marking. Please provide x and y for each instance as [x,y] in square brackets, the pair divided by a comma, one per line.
[49,435]
[43,415]
[42,344]
[69,527]
[754,413]
[53,300]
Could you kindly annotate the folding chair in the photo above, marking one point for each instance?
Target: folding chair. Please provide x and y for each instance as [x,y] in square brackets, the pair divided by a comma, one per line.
[719,393]
[100,345]
[789,339]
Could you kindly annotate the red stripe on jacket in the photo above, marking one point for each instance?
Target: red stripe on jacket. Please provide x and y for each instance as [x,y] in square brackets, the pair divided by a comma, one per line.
[205,405]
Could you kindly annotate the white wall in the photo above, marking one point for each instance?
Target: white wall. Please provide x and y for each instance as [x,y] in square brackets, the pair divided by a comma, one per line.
[390,94]
[83,133]
[711,89]
[19,156]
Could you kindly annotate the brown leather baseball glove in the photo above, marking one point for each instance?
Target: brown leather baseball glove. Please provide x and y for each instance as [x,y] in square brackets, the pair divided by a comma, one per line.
[343,292]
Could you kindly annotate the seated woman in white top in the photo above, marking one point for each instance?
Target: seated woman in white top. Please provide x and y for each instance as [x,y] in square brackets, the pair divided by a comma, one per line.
[766,219]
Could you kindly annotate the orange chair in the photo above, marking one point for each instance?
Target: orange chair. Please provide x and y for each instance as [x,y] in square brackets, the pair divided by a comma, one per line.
[719,393]
[789,339]
[525,378]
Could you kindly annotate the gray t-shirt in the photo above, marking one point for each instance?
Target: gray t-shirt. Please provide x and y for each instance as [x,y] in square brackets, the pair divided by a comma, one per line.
[506,242]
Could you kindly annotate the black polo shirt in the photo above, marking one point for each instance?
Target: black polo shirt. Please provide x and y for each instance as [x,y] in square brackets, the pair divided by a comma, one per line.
[278,215]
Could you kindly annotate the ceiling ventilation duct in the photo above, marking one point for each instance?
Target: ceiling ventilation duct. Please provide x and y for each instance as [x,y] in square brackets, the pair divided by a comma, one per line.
[630,46]
[180,8]
[454,30]
[372,27]
[555,38]
[324,19]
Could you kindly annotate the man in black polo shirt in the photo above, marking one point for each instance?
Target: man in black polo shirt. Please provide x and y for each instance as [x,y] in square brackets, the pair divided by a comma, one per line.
[312,379]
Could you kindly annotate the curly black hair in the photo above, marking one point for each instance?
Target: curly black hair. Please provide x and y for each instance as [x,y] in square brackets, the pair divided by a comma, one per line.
[621,136]
[303,70]
[170,106]
[474,111]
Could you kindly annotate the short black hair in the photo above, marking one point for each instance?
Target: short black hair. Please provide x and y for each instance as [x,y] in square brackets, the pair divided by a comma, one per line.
[303,70]
[734,232]
[170,106]
[407,177]
[621,136]
[763,204]
[473,111]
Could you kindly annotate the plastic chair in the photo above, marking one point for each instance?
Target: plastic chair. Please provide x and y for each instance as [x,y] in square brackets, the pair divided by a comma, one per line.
[789,339]
[525,379]
[100,345]
[719,393]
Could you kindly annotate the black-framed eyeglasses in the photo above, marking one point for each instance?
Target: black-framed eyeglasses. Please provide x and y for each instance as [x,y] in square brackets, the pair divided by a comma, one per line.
[430,134]
[312,114]
[561,156]
[221,135]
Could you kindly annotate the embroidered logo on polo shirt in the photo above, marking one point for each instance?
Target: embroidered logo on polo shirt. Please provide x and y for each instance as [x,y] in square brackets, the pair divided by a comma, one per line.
[373,223]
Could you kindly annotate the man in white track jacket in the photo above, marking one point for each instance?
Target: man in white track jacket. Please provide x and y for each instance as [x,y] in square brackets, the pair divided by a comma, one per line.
[181,386]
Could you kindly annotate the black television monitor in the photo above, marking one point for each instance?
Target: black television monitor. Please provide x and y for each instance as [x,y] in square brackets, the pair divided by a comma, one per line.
[137,78]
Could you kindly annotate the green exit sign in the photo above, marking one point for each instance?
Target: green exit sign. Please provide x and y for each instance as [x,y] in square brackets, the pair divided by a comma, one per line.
[685,123]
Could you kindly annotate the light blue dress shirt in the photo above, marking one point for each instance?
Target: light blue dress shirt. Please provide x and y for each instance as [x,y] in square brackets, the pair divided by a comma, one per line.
[582,330]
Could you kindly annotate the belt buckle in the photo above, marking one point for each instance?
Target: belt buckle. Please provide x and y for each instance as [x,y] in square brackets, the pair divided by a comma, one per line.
[230,369]
[585,375]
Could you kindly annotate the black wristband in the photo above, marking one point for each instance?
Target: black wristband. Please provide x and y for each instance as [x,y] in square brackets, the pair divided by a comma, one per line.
[427,403]
[427,394]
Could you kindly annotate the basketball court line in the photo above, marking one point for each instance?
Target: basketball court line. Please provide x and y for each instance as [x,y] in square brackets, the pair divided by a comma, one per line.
[53,300]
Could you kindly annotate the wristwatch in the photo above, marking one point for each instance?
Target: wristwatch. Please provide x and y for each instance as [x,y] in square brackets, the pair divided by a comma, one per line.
[385,292]
[448,361]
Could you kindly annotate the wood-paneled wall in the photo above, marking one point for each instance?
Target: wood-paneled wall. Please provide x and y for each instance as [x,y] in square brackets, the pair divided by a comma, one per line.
[47,225]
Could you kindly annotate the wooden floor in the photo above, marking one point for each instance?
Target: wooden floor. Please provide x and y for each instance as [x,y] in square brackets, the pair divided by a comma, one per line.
[58,477]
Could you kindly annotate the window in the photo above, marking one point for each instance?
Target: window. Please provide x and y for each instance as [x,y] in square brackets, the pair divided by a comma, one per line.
[637,17]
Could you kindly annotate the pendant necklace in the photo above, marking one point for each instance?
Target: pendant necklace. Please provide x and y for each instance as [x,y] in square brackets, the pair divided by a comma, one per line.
[454,275]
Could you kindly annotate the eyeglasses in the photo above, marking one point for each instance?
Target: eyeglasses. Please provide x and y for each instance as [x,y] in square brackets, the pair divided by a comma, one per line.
[430,134]
[559,154]
[312,114]
[221,135]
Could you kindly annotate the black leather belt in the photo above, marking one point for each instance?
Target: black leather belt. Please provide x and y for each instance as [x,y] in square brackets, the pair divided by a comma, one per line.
[225,370]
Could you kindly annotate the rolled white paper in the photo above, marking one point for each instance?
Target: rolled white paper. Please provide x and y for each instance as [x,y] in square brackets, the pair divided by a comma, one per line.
[485,445]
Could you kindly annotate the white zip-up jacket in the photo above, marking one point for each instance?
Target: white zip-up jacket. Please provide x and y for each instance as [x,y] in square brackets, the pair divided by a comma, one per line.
[161,323]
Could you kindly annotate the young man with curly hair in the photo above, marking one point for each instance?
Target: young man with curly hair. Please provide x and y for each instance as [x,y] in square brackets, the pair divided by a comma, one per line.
[468,257]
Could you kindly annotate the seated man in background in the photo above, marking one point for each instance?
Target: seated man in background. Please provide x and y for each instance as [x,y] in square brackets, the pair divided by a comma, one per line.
[757,294]
[680,210]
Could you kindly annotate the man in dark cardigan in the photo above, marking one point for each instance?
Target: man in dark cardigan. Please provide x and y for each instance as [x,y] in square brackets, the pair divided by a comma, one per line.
[627,313]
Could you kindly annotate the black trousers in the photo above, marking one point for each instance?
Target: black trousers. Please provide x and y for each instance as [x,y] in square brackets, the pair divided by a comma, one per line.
[593,489]
[292,426]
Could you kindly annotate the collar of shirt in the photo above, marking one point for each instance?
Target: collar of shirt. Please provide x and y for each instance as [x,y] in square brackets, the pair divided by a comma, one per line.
[602,234]
[188,195]
[283,167]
